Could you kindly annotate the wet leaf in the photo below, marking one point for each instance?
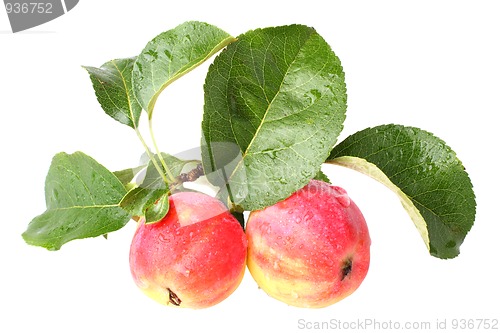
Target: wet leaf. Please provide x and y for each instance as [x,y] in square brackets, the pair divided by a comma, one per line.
[172,54]
[275,103]
[424,172]
[150,197]
[126,176]
[112,84]
[82,200]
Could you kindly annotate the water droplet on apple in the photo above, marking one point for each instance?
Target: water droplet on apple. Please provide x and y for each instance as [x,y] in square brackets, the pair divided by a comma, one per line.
[308,216]
[342,196]
[164,238]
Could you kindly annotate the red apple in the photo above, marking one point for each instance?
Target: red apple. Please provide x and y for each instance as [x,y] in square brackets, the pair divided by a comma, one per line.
[194,257]
[311,249]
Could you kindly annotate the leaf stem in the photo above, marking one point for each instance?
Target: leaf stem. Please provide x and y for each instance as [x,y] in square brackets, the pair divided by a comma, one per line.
[151,156]
[167,175]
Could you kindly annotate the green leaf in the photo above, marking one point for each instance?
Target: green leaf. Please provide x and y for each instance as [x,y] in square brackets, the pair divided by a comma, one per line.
[138,200]
[113,88]
[424,172]
[127,175]
[157,211]
[150,197]
[172,54]
[82,200]
[275,104]
[323,177]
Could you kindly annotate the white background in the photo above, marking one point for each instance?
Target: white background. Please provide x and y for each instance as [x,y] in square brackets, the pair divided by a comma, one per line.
[430,64]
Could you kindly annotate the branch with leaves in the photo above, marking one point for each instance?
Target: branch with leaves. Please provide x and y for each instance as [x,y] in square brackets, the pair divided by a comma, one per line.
[275,104]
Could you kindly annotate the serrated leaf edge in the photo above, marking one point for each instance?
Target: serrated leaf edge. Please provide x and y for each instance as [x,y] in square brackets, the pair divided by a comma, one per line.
[128,90]
[185,70]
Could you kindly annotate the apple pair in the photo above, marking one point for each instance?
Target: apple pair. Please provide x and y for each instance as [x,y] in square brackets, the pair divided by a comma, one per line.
[309,250]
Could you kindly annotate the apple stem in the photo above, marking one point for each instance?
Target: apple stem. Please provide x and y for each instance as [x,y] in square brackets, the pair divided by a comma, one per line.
[189,176]
[240,217]
[192,175]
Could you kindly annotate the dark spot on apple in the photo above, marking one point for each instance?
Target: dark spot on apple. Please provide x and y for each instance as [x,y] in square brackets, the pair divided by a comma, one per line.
[174,299]
[346,268]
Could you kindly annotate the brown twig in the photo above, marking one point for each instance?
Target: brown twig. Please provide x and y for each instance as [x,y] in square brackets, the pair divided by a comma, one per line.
[189,176]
